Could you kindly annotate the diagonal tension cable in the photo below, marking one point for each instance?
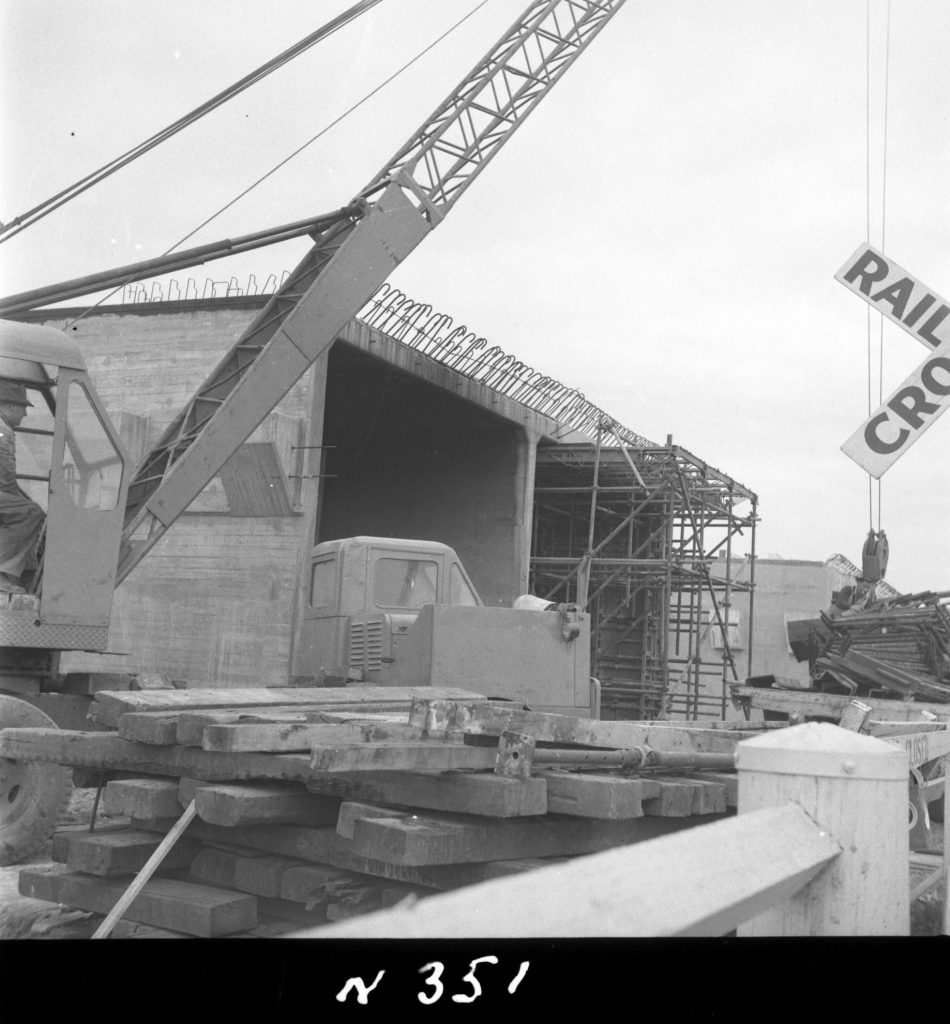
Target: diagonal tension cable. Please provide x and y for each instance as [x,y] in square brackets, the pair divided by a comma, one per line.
[25,220]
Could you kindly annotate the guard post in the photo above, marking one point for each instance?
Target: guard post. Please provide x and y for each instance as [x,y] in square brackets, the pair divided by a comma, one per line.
[855,787]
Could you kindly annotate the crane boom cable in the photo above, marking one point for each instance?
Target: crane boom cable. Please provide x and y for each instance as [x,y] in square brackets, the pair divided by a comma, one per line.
[296,152]
[25,220]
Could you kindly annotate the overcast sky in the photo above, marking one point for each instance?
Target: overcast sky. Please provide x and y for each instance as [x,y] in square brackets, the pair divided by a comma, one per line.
[662,233]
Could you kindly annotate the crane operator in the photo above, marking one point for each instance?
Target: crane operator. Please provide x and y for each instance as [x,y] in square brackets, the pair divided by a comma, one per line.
[21,519]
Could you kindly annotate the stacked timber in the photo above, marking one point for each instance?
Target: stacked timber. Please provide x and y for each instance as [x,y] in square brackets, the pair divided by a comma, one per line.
[898,648]
[303,806]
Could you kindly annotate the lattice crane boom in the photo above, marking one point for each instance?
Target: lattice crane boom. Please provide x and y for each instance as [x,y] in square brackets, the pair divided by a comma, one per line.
[351,258]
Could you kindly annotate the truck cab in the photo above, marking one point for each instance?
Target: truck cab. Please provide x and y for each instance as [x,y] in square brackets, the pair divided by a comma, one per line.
[364,594]
[386,611]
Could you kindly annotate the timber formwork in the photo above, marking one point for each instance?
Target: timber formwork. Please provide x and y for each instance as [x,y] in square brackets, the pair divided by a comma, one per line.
[636,536]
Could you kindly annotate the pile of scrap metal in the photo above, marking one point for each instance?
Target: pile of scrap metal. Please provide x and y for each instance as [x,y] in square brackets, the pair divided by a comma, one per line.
[895,648]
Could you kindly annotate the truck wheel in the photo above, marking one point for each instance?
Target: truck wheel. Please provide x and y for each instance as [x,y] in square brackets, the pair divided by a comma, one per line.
[33,794]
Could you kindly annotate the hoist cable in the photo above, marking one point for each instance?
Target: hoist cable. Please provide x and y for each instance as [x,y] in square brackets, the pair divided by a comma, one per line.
[867,195]
[880,367]
[887,71]
[299,149]
[25,220]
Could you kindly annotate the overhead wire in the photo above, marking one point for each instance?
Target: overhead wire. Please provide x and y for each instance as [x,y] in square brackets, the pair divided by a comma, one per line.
[298,150]
[38,212]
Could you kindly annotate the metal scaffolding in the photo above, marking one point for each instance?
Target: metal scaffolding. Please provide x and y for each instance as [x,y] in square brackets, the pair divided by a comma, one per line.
[642,539]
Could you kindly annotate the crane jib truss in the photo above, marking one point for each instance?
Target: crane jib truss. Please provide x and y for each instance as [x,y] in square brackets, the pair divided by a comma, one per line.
[349,260]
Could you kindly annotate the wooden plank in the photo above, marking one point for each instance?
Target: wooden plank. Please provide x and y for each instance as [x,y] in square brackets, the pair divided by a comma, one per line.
[106,750]
[491,795]
[255,804]
[59,846]
[109,706]
[164,902]
[597,796]
[142,798]
[687,885]
[302,737]
[400,756]
[351,811]
[430,841]
[191,724]
[491,720]
[884,729]
[675,800]
[122,852]
[830,705]
[922,747]
[186,727]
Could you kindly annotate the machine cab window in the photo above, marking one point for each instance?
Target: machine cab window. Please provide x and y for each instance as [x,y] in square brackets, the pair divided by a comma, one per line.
[92,467]
[34,443]
[405,582]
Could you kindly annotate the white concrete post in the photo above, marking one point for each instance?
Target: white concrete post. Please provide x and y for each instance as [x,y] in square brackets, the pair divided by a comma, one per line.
[855,787]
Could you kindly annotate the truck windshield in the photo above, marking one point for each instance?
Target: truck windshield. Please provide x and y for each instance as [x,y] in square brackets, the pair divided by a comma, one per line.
[405,583]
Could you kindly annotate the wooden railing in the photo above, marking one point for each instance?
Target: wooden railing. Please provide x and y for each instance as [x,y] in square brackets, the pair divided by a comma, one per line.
[819,847]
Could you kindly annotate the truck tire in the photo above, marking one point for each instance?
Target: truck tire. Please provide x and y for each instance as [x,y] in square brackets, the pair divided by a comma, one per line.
[33,794]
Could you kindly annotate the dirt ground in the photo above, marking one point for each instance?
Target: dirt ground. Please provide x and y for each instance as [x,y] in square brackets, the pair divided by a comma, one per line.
[24,918]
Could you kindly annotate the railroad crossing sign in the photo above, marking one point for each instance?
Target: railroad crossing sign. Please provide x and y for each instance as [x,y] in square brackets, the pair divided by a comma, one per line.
[884,437]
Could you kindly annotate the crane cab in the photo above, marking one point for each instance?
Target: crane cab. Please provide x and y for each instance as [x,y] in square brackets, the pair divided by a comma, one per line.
[71,463]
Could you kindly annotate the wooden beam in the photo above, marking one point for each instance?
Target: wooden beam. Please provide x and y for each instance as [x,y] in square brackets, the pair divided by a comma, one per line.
[109,706]
[303,737]
[830,705]
[491,720]
[922,746]
[164,902]
[465,792]
[107,751]
[192,724]
[673,801]
[587,795]
[728,780]
[142,798]
[261,876]
[122,852]
[256,804]
[324,847]
[429,841]
[685,885]
[186,727]
[400,756]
